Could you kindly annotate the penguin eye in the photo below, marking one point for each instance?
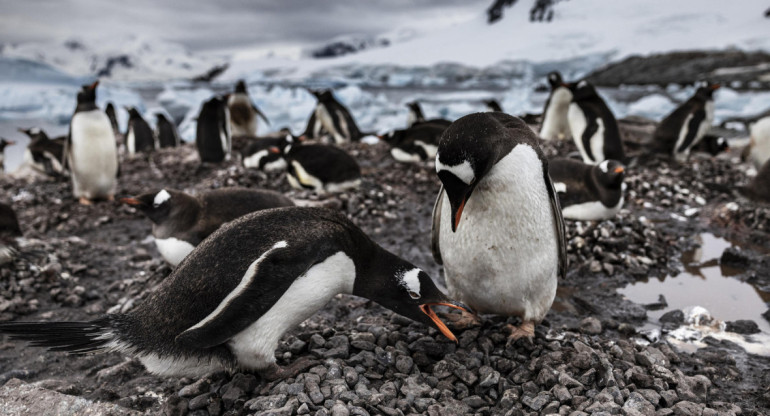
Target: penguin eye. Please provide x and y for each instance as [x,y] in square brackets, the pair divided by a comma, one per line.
[414,295]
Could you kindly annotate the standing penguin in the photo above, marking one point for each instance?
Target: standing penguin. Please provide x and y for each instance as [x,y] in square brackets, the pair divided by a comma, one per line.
[681,130]
[139,136]
[3,144]
[110,111]
[416,143]
[90,150]
[333,118]
[588,192]
[212,134]
[493,105]
[416,116]
[181,221]
[497,225]
[273,269]
[43,154]
[166,132]
[593,126]
[9,231]
[555,121]
[322,168]
[243,112]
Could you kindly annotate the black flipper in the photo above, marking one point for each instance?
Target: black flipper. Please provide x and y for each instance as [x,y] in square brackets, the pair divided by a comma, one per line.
[692,130]
[591,128]
[435,228]
[558,220]
[260,113]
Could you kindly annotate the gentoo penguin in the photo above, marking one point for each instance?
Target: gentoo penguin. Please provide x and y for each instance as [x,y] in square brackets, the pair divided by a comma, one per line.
[759,187]
[181,221]
[493,105]
[333,118]
[416,143]
[267,153]
[322,168]
[759,147]
[90,150]
[555,121]
[43,154]
[230,301]
[416,116]
[507,253]
[139,135]
[243,112]
[593,126]
[212,134]
[588,192]
[9,231]
[685,126]
[712,144]
[166,131]
[3,144]
[110,111]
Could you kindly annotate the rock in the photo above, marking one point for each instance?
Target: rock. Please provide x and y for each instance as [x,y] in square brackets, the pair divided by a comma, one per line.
[637,405]
[538,402]
[266,402]
[591,326]
[675,317]
[175,406]
[195,389]
[687,408]
[414,386]
[404,364]
[742,326]
[199,402]
[693,388]
[20,398]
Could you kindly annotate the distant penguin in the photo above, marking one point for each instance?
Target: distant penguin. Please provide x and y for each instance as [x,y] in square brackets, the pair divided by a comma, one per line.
[9,231]
[3,144]
[497,226]
[759,147]
[166,132]
[593,126]
[686,125]
[181,221]
[416,116]
[43,154]
[267,153]
[555,119]
[228,304]
[416,143]
[711,144]
[212,135]
[243,112]
[493,105]
[90,150]
[759,187]
[588,192]
[139,136]
[110,111]
[332,118]
[322,168]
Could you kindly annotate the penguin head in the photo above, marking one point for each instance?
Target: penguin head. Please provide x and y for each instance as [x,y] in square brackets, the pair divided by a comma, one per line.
[4,143]
[706,90]
[610,173]
[240,87]
[132,111]
[34,133]
[87,94]
[410,292]
[581,90]
[158,205]
[393,137]
[554,79]
[414,106]
[161,117]
[110,108]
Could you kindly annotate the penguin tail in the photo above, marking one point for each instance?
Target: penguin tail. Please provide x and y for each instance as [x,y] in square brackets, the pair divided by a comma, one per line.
[72,337]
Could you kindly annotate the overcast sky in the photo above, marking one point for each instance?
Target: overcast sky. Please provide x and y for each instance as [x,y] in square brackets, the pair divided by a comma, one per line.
[223,24]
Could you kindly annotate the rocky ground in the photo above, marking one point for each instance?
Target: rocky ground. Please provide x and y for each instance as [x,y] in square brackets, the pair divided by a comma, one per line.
[588,357]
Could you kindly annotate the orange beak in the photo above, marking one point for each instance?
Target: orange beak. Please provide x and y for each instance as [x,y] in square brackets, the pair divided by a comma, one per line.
[130,201]
[619,169]
[94,85]
[439,324]
[715,86]
[458,215]
[274,149]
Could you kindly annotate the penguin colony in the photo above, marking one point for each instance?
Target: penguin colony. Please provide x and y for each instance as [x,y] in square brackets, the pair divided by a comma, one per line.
[243,257]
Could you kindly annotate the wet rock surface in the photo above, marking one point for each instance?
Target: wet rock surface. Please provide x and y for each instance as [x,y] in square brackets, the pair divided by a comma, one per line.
[587,357]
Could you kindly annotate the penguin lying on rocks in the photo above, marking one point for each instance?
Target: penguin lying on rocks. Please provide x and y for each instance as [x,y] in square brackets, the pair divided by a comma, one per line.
[588,192]
[181,221]
[43,154]
[322,168]
[267,153]
[230,301]
[416,143]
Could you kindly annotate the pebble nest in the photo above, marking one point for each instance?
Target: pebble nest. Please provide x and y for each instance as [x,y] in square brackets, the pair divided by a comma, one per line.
[588,356]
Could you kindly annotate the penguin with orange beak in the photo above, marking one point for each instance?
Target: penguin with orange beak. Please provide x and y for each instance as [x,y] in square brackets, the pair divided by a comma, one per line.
[683,129]
[497,225]
[587,192]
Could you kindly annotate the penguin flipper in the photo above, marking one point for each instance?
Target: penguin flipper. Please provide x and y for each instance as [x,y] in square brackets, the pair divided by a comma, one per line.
[263,284]
[435,228]
[310,125]
[692,130]
[260,113]
[558,222]
[591,128]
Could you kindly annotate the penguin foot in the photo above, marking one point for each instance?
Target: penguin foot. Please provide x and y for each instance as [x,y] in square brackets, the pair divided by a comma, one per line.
[85,201]
[525,330]
[276,372]
[463,320]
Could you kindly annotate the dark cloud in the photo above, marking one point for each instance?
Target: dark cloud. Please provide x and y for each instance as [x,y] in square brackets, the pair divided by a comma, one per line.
[209,25]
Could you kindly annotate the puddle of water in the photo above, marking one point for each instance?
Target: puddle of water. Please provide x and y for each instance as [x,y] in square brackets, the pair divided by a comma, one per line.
[705,283]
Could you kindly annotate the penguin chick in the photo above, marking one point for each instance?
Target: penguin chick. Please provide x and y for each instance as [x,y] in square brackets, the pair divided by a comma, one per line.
[588,192]
[497,225]
[181,221]
[229,303]
[243,112]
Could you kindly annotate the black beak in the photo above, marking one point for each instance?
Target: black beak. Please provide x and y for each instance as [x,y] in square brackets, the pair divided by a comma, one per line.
[425,308]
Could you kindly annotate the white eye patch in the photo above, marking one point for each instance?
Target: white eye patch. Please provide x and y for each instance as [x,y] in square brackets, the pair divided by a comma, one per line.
[411,281]
[604,166]
[161,197]
[463,171]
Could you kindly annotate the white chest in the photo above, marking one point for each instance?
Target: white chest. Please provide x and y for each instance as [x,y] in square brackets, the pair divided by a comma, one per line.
[173,250]
[93,155]
[253,160]
[555,123]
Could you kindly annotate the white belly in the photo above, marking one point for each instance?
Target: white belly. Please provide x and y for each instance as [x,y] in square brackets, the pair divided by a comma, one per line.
[555,123]
[504,259]
[403,156]
[578,124]
[173,250]
[324,119]
[250,128]
[93,157]
[131,141]
[591,211]
[253,160]
[760,142]
[304,178]
[429,149]
[275,166]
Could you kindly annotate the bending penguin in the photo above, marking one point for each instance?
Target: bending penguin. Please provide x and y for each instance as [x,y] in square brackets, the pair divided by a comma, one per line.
[681,130]
[555,120]
[416,116]
[322,168]
[43,154]
[90,150]
[593,126]
[181,221]
[3,144]
[274,269]
[332,118]
[139,136]
[588,192]
[212,133]
[243,112]
[166,131]
[497,225]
